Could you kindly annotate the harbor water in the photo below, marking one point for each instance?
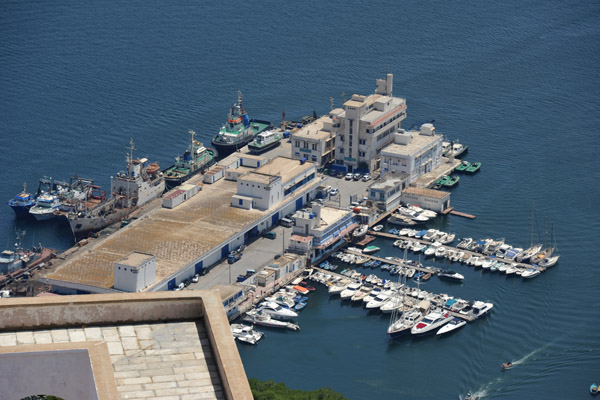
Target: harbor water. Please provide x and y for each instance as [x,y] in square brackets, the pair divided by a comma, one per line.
[515,81]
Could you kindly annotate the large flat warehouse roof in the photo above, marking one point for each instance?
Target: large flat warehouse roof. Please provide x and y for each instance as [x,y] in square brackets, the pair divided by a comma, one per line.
[177,237]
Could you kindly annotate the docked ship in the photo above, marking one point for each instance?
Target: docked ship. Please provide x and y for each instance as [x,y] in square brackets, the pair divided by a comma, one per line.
[238,131]
[130,189]
[264,141]
[21,203]
[195,160]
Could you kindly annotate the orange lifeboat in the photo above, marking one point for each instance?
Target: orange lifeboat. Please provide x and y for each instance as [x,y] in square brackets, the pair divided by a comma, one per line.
[152,168]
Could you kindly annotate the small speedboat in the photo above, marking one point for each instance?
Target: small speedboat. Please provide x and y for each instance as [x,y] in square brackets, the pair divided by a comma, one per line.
[593,389]
[530,273]
[507,365]
[471,396]
[453,325]
[378,228]
[450,275]
[371,250]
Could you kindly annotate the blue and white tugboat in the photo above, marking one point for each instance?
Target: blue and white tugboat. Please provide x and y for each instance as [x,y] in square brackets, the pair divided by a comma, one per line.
[22,202]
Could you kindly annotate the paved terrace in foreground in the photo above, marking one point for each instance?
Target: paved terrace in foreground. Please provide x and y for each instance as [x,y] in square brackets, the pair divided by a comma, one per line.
[176,236]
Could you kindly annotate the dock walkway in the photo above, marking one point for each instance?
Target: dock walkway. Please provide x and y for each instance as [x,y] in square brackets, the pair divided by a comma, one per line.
[468,318]
[472,253]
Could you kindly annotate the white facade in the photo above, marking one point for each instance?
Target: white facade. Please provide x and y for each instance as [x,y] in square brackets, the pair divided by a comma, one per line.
[430,199]
[272,183]
[386,193]
[134,272]
[316,141]
[368,124]
[413,152]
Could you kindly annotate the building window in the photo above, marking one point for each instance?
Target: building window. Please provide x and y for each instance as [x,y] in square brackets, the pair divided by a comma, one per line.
[342,150]
[296,143]
[314,158]
[314,146]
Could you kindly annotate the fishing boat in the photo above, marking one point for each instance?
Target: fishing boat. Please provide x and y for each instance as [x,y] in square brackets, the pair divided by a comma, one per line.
[441,181]
[130,189]
[360,232]
[506,365]
[45,206]
[473,167]
[264,141]
[194,160]
[22,202]
[370,250]
[431,322]
[454,324]
[462,167]
[238,131]
[246,333]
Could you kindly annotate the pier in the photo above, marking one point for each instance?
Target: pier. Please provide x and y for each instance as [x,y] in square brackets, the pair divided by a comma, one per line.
[472,253]
[467,318]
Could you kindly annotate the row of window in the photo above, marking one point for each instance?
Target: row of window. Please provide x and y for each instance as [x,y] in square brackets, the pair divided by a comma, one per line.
[395,117]
[305,145]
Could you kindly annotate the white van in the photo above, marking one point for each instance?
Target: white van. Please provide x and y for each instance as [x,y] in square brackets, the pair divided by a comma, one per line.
[286,222]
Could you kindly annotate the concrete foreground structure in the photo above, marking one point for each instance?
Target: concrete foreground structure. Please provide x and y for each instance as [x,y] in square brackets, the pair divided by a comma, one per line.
[167,345]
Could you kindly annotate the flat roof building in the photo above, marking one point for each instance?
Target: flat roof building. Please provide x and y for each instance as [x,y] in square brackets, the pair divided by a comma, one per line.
[316,141]
[368,124]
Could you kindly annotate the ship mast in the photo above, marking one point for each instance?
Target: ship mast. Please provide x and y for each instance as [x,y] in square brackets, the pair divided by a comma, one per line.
[192,151]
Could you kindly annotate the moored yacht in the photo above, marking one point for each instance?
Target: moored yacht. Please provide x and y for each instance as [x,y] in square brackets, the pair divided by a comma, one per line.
[350,290]
[453,325]
[276,311]
[431,322]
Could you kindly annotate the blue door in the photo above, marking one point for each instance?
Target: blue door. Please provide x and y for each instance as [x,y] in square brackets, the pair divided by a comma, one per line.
[225,251]
[199,266]
[299,204]
[171,285]
[275,219]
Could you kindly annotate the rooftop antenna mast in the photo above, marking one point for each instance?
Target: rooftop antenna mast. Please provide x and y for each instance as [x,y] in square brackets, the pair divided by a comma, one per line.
[344,97]
[331,103]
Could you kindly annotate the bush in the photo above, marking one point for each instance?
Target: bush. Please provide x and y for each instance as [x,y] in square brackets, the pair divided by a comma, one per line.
[271,390]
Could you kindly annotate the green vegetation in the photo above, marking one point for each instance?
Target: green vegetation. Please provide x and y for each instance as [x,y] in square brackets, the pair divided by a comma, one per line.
[270,390]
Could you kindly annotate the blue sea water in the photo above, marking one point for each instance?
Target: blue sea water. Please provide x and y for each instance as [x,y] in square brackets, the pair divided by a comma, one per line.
[516,81]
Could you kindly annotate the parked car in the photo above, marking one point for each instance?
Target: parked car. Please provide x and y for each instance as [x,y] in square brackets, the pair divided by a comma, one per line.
[334,192]
[339,174]
[271,235]
[366,177]
[349,176]
[179,287]
[233,257]
[357,176]
[196,278]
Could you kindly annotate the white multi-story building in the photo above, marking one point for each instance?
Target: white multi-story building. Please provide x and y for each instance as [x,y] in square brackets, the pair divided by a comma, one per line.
[321,230]
[386,192]
[316,141]
[367,124]
[271,183]
[413,152]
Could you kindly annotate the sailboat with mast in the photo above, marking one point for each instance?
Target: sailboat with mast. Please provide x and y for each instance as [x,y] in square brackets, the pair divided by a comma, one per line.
[533,249]
[546,257]
[402,321]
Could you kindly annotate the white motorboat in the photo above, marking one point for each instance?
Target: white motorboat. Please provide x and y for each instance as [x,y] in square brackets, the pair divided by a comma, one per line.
[502,267]
[487,264]
[430,251]
[440,251]
[530,273]
[510,270]
[512,253]
[422,211]
[454,324]
[432,321]
[350,290]
[361,293]
[549,262]
[380,299]
[377,228]
[398,242]
[447,238]
[418,247]
[257,317]
[503,250]
[431,233]
[477,309]
[450,275]
[339,286]
[370,250]
[246,333]
[465,243]
[376,291]
[282,299]
[399,219]
[276,311]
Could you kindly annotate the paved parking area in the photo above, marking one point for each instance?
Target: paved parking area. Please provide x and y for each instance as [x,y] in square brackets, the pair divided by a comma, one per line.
[347,189]
[256,255]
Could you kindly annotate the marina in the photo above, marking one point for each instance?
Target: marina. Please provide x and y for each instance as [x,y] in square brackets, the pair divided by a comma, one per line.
[489,89]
